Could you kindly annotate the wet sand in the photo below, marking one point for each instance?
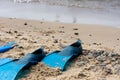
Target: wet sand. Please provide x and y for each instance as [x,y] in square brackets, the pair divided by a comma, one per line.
[96,39]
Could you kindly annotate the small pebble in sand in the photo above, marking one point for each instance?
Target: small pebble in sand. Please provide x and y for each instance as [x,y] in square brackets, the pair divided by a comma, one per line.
[61,31]
[25,23]
[16,37]
[102,64]
[101,58]
[76,33]
[96,54]
[113,59]
[53,36]
[118,39]
[55,41]
[15,31]
[90,55]
[9,32]
[90,34]
[75,28]
[107,62]
[24,38]
[100,44]
[61,27]
[34,41]
[19,35]
[94,43]
[46,34]
[108,71]
[21,54]
[81,75]
[21,47]
[41,22]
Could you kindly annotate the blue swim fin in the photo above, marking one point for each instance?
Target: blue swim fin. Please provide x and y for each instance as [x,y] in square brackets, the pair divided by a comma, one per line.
[58,59]
[7,47]
[10,70]
[5,60]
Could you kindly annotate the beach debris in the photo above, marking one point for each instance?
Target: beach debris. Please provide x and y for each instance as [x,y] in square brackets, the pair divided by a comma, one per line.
[20,47]
[94,43]
[9,32]
[55,41]
[22,54]
[15,31]
[90,34]
[81,75]
[19,34]
[23,38]
[41,22]
[25,23]
[53,36]
[97,43]
[90,56]
[76,33]
[34,41]
[107,71]
[47,34]
[118,39]
[61,27]
[75,28]
[101,58]
[16,37]
[61,31]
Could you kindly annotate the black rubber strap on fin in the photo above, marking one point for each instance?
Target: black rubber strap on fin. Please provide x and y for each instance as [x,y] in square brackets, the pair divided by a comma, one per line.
[74,49]
[32,58]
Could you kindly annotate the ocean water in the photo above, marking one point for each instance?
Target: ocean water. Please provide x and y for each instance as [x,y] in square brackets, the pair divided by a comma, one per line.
[103,12]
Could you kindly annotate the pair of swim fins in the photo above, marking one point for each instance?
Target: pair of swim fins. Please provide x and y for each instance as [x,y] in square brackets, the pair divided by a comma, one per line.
[7,47]
[58,59]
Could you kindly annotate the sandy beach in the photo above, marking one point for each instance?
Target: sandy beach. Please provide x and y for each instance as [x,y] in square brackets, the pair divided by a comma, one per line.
[96,39]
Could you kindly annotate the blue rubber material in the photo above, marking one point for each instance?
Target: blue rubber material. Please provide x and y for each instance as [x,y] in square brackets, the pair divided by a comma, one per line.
[7,47]
[55,60]
[58,59]
[5,60]
[10,70]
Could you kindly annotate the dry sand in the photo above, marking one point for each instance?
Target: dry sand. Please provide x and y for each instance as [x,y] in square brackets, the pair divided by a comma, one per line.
[100,59]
